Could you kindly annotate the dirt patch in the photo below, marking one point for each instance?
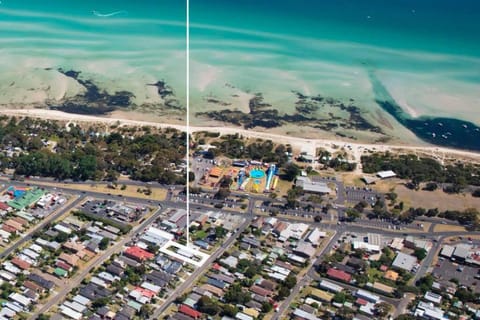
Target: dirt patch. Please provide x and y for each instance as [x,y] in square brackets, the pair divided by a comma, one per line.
[385,186]
[157,194]
[350,179]
[436,199]
[447,228]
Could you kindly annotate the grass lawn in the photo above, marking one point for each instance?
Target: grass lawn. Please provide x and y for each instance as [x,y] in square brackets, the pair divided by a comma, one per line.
[351,179]
[436,199]
[374,274]
[282,187]
[200,235]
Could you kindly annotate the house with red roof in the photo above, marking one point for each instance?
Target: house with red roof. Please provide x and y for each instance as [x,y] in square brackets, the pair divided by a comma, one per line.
[22,221]
[32,286]
[361,302]
[62,264]
[339,275]
[8,228]
[189,311]
[22,264]
[71,259]
[4,206]
[14,224]
[138,253]
[261,291]
[145,292]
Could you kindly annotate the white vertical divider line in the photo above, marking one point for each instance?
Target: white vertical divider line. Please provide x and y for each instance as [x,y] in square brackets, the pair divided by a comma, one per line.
[188,116]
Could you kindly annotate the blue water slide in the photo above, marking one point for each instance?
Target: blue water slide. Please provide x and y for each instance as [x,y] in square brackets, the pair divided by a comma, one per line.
[271,172]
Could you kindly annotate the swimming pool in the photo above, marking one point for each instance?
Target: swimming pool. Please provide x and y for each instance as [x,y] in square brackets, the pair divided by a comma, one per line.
[257,174]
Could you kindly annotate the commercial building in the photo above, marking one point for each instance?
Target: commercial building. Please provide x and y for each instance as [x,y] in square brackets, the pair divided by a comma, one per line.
[315,236]
[310,186]
[404,261]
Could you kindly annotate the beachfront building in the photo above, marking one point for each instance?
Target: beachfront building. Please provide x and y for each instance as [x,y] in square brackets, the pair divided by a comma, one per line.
[386,174]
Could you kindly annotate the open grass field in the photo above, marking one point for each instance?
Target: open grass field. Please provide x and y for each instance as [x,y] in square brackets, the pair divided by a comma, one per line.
[436,199]
[351,179]
[283,187]
[386,185]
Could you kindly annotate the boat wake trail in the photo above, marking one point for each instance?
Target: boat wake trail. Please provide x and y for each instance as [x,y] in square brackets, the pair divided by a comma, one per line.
[106,15]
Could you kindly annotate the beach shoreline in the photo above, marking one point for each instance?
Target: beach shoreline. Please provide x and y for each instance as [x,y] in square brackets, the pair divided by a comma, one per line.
[304,144]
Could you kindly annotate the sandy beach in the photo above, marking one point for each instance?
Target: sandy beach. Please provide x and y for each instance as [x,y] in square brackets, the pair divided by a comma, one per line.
[305,145]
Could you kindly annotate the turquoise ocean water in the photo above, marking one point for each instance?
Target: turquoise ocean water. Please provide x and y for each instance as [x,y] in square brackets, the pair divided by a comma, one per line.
[423,56]
[118,43]
[415,59]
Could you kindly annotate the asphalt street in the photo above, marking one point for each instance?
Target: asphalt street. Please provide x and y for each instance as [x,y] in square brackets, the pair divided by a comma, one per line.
[359,227]
[198,272]
[72,204]
[97,261]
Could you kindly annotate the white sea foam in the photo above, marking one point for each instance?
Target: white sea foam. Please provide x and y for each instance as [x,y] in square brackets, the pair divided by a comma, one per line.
[106,15]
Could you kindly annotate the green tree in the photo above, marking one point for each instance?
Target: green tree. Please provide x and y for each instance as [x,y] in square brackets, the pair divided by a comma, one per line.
[100,302]
[283,292]
[290,281]
[229,310]
[236,295]
[420,253]
[145,311]
[340,297]
[61,237]
[425,283]
[267,307]
[252,271]
[220,232]
[291,172]
[352,214]
[104,243]
[208,306]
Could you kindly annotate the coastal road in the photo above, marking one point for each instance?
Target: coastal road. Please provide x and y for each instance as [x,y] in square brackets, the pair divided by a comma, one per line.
[72,203]
[353,227]
[97,261]
[198,272]
[94,194]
